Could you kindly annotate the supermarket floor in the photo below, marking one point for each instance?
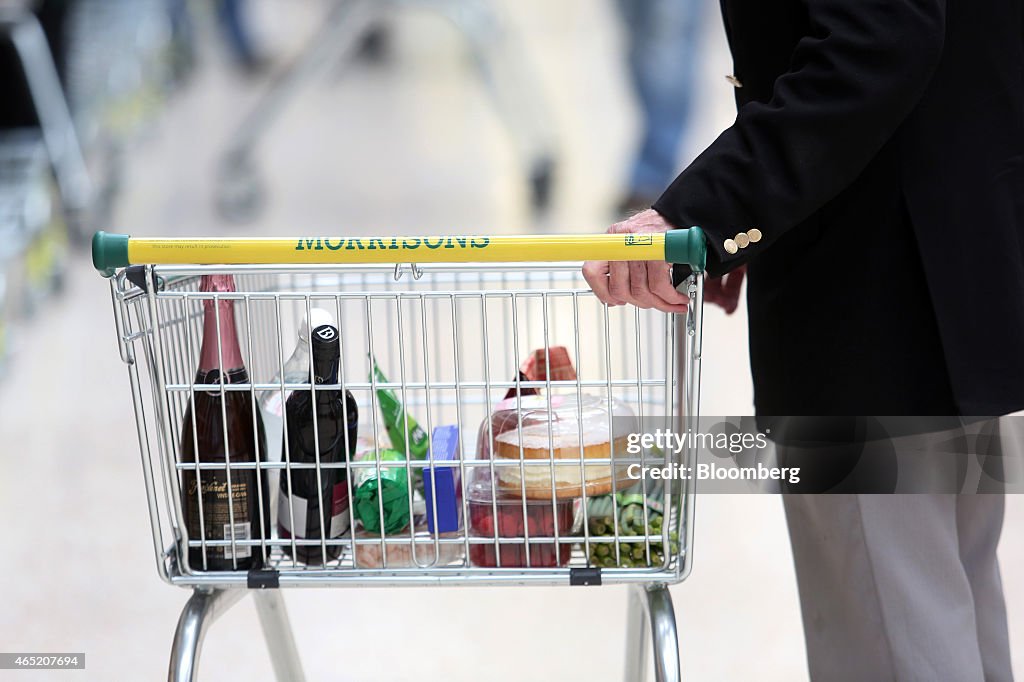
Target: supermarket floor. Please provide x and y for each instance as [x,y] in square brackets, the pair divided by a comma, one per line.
[411,147]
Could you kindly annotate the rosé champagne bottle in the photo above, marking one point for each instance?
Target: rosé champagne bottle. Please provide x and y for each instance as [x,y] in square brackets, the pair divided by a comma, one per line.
[208,419]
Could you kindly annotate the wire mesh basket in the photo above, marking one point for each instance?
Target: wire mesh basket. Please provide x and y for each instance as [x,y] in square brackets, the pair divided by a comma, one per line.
[516,393]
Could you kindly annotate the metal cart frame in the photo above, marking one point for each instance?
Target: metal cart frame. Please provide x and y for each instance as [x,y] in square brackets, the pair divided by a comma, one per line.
[141,296]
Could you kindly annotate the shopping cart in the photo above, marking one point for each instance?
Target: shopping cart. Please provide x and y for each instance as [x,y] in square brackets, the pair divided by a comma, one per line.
[498,56]
[450,331]
[22,29]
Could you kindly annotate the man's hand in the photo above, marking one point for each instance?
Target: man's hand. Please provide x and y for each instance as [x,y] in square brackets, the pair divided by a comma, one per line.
[725,290]
[648,284]
[645,284]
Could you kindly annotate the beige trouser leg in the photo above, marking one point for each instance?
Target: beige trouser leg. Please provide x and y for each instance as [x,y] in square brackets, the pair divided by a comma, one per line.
[902,587]
[979,521]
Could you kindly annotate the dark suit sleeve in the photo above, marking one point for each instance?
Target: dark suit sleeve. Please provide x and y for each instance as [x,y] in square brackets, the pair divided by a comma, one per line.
[851,83]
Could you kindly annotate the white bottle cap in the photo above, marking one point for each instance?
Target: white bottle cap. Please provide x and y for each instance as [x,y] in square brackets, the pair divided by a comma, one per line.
[319,317]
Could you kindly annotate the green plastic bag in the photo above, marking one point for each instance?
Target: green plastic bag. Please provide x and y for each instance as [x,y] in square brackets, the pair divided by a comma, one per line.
[392,487]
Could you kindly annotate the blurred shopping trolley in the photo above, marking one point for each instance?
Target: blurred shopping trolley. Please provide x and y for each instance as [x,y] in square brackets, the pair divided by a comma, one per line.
[326,413]
[498,55]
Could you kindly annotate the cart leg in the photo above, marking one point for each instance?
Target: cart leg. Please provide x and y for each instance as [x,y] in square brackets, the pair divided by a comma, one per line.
[636,635]
[199,613]
[278,632]
[652,607]
[663,629]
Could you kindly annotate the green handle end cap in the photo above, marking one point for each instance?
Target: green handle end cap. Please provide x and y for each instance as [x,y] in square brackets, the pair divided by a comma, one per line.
[109,252]
[687,247]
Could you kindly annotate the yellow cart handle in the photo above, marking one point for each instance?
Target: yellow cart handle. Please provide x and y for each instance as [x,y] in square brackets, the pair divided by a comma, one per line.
[112,251]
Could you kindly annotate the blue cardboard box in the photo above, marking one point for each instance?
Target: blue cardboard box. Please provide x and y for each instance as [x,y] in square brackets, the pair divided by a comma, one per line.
[444,477]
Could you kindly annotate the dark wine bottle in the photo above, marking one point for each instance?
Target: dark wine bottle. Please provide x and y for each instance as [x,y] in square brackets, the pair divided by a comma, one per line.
[309,502]
[233,416]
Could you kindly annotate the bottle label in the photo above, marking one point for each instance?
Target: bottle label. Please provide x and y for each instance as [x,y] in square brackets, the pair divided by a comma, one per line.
[295,521]
[217,511]
[339,509]
[241,533]
[295,524]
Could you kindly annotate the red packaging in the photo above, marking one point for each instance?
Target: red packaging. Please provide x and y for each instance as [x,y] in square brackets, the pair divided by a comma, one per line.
[541,519]
[536,366]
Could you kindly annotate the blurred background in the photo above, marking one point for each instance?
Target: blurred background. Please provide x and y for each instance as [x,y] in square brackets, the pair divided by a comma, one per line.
[279,117]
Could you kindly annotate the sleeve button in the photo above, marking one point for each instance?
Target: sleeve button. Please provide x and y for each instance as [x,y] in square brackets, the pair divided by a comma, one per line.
[754,235]
[730,246]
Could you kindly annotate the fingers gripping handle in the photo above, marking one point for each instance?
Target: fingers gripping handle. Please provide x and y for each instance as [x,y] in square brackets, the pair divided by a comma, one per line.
[113,251]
